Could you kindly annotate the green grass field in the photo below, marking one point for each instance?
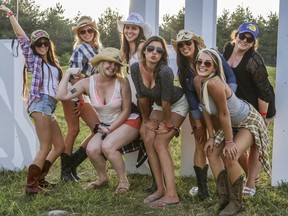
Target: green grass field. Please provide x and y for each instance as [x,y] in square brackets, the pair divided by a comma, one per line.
[72,198]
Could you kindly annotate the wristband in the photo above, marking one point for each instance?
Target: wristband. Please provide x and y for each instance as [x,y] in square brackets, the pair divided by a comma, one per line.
[197,128]
[9,13]
[263,114]
[81,102]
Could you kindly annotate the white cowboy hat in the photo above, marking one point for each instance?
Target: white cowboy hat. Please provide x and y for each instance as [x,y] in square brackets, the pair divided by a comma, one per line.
[135,19]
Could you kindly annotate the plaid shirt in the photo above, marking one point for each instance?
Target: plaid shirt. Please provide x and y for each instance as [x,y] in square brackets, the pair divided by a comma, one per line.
[135,146]
[33,64]
[81,57]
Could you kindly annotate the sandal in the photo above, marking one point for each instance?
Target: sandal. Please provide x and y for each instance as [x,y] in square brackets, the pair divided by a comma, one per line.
[122,188]
[96,184]
[162,203]
[249,191]
[151,198]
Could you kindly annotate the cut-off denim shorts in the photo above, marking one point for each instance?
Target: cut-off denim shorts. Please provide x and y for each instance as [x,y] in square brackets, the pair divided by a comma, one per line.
[45,105]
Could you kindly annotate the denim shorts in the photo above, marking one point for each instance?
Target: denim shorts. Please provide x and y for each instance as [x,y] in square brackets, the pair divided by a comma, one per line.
[45,105]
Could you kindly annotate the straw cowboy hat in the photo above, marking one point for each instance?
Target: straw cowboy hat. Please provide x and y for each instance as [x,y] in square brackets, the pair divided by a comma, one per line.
[84,21]
[108,54]
[135,19]
[186,35]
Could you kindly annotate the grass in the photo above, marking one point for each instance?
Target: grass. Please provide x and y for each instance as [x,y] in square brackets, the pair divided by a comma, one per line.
[72,198]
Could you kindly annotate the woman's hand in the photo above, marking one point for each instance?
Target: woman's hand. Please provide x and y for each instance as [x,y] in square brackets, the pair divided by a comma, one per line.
[152,125]
[4,9]
[74,71]
[230,150]
[78,107]
[200,134]
[162,129]
[209,145]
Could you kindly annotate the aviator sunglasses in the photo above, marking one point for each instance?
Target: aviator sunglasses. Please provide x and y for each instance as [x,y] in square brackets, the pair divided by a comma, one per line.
[207,64]
[242,36]
[40,44]
[182,43]
[82,32]
[151,48]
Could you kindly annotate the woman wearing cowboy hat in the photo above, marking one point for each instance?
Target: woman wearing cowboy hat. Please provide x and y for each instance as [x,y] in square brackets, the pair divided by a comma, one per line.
[41,61]
[110,95]
[187,45]
[134,31]
[86,46]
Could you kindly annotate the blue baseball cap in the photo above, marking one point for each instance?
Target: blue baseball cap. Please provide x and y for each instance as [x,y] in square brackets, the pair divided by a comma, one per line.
[249,27]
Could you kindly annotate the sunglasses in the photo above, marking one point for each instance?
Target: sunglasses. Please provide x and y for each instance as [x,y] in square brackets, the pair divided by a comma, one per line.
[242,36]
[182,43]
[40,44]
[82,32]
[207,64]
[151,48]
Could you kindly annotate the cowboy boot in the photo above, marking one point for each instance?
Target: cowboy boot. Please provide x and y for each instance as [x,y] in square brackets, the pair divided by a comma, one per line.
[78,157]
[42,181]
[236,203]
[223,189]
[66,168]
[201,175]
[32,186]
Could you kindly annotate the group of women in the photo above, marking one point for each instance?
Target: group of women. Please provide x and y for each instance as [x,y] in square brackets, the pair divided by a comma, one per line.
[228,100]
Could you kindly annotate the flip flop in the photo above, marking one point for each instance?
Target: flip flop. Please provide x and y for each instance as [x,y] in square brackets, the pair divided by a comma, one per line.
[162,204]
[96,184]
[151,198]
[122,188]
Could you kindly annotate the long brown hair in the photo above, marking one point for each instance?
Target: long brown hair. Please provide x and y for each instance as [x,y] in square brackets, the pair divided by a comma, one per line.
[52,60]
[164,57]
[125,48]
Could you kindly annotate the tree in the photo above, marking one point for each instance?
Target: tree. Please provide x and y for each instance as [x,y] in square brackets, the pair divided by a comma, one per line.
[107,25]
[171,25]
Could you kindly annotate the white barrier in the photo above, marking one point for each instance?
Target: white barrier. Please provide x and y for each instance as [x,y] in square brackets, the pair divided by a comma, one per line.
[18,144]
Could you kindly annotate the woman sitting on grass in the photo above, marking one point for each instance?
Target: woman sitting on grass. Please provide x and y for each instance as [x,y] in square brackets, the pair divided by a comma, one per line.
[110,95]
[223,149]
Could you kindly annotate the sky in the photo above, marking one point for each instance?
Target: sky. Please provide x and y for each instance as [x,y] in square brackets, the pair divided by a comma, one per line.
[95,8]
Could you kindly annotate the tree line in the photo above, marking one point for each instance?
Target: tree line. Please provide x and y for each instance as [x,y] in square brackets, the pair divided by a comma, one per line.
[53,21]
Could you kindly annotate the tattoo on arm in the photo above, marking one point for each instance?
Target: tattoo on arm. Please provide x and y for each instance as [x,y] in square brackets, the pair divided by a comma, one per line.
[73,90]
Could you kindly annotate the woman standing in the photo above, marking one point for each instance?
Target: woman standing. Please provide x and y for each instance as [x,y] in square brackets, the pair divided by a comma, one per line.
[223,148]
[134,31]
[187,46]
[40,59]
[253,86]
[110,95]
[170,108]
[86,46]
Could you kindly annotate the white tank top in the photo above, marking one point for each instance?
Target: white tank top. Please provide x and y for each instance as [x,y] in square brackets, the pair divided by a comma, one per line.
[107,113]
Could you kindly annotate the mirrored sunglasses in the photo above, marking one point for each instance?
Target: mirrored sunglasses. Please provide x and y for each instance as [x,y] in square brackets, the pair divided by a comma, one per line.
[182,43]
[207,64]
[242,36]
[151,48]
[82,32]
[40,44]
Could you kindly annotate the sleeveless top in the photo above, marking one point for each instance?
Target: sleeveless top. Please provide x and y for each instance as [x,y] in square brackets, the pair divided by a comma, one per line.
[107,113]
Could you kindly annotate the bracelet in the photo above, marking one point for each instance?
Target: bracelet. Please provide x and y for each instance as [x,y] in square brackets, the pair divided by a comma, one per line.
[81,102]
[211,137]
[9,13]
[229,141]
[263,114]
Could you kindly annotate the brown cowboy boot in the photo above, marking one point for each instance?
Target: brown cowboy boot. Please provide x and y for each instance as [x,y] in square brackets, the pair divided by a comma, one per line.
[236,203]
[32,186]
[223,189]
[42,181]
